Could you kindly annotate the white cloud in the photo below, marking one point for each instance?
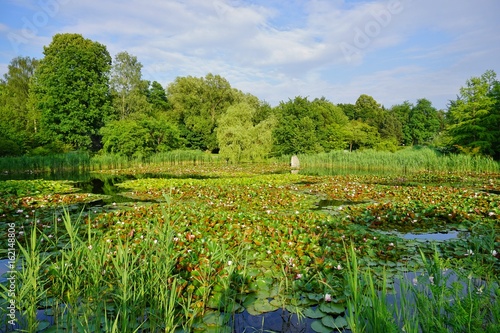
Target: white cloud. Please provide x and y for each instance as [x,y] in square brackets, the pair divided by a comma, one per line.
[404,49]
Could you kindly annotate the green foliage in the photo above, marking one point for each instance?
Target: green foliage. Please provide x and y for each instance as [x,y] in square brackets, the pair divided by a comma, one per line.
[367,109]
[157,97]
[9,147]
[138,138]
[475,116]
[307,127]
[239,139]
[128,89]
[70,89]
[360,135]
[18,123]
[197,105]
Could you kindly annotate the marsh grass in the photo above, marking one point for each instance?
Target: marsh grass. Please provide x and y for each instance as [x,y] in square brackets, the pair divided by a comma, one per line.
[437,300]
[91,284]
[402,162]
[69,162]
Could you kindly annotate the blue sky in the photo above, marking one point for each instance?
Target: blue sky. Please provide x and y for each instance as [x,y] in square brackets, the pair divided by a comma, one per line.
[393,50]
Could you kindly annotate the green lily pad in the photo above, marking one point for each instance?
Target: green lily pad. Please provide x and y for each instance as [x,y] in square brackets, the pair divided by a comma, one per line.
[263,306]
[332,308]
[341,322]
[335,323]
[314,313]
[318,327]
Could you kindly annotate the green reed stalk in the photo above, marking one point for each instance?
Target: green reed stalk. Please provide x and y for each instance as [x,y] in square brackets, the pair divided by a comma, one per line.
[30,288]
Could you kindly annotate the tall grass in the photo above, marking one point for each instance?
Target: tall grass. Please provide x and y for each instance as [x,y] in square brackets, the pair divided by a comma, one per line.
[408,160]
[438,300]
[97,284]
[74,161]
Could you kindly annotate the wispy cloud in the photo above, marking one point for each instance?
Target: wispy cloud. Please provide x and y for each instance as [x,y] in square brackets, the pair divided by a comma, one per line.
[392,49]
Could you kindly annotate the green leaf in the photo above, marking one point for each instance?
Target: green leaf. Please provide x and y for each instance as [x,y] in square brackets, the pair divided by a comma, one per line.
[318,327]
[314,313]
[341,322]
[332,308]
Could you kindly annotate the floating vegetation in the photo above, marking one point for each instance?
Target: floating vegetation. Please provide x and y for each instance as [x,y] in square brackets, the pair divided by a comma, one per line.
[210,247]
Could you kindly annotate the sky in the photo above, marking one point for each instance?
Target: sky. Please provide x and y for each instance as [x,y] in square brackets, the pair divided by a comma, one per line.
[392,50]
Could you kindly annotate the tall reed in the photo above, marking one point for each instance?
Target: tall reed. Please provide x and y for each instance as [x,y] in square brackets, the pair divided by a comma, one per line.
[401,162]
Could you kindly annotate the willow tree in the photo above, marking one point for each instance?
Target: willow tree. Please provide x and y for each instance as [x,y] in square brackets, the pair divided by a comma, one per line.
[240,139]
[70,89]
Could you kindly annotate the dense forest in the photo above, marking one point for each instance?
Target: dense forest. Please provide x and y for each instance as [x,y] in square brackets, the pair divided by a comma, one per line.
[78,98]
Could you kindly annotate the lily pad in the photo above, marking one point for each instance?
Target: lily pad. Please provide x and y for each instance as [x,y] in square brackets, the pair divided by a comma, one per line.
[318,327]
[314,313]
[332,308]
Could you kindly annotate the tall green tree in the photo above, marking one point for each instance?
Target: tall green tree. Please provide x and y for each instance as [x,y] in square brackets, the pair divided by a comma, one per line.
[367,109]
[359,134]
[128,89]
[157,97]
[70,89]
[197,104]
[307,127]
[423,122]
[475,117]
[239,139]
[17,123]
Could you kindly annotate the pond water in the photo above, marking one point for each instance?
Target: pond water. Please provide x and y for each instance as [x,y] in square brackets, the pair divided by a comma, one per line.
[432,236]
[277,321]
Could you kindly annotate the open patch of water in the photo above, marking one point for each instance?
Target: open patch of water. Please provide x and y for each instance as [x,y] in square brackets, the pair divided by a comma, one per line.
[432,236]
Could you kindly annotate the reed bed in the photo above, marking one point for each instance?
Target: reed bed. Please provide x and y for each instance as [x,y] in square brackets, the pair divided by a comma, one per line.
[438,299]
[93,284]
[409,160]
[74,162]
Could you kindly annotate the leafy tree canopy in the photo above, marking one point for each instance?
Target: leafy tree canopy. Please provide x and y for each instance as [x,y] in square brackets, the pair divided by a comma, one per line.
[128,88]
[197,104]
[239,139]
[17,123]
[70,89]
[475,116]
[306,127]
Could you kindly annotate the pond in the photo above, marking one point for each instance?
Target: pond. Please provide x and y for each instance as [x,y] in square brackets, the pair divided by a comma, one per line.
[294,228]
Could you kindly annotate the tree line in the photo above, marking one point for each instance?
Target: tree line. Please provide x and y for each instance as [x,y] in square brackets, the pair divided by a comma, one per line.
[78,98]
